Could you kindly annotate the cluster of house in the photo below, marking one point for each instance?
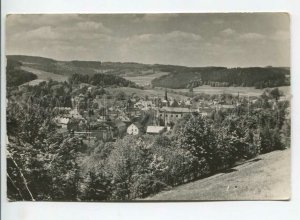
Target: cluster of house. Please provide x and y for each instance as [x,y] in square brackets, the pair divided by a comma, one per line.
[106,121]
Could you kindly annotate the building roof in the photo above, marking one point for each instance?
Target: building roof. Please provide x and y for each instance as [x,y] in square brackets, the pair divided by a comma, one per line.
[155,129]
[62,108]
[227,106]
[175,109]
[144,102]
[123,118]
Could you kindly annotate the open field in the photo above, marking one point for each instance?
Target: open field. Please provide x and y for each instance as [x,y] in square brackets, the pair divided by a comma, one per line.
[35,82]
[146,79]
[265,177]
[43,75]
[243,91]
[143,92]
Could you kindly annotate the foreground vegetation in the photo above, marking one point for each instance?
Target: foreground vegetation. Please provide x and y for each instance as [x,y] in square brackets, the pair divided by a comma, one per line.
[253,179]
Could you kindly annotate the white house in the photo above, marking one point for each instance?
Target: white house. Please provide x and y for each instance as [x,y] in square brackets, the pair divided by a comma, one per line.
[134,129]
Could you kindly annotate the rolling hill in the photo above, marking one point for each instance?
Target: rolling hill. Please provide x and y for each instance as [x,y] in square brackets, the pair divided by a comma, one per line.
[157,75]
[68,68]
[258,77]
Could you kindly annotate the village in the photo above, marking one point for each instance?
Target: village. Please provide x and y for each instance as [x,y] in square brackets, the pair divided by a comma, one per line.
[101,119]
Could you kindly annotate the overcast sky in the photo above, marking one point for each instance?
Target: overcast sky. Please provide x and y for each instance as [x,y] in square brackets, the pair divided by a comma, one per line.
[182,39]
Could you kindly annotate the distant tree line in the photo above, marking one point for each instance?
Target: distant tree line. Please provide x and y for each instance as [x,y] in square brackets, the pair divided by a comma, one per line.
[87,64]
[257,77]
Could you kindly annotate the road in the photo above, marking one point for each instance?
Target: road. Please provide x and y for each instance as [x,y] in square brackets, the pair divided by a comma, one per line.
[266,177]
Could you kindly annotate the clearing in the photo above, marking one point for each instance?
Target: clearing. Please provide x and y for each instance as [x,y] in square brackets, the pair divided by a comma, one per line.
[45,76]
[146,79]
[143,92]
[266,177]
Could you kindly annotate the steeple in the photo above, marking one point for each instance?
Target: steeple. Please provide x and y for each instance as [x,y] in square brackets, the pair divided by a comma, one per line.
[166,95]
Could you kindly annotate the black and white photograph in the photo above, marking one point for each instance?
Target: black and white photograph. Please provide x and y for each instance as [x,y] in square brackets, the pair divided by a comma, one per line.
[148,107]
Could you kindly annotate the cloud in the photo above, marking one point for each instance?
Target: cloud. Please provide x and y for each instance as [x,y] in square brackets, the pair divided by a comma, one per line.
[280,35]
[171,37]
[187,39]
[234,35]
[92,26]
[228,32]
[184,36]
[42,33]
[218,21]
[32,21]
[160,48]
[252,36]
[87,33]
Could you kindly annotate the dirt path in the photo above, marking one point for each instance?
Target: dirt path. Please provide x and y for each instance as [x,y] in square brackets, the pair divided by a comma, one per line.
[262,178]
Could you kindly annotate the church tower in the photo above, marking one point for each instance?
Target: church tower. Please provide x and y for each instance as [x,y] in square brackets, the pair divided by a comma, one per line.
[166,95]
[165,102]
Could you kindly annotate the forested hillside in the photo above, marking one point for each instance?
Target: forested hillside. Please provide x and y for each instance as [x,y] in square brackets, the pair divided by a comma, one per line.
[100,79]
[15,76]
[68,68]
[220,76]
[176,77]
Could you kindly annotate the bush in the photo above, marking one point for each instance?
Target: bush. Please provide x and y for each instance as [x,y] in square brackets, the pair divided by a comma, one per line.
[271,140]
[145,185]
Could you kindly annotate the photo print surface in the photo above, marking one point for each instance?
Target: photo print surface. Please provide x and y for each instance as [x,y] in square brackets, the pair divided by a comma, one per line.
[148,107]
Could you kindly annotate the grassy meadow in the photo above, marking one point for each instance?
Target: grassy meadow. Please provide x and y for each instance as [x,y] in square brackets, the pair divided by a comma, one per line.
[242,91]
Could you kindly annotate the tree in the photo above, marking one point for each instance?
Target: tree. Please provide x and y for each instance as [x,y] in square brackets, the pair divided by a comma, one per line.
[121,95]
[41,164]
[198,138]
[275,93]
[64,168]
[286,133]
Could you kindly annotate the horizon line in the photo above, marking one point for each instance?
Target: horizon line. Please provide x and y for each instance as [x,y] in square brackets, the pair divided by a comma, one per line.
[59,60]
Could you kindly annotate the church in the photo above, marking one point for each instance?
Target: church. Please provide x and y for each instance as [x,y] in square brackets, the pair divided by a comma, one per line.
[168,114]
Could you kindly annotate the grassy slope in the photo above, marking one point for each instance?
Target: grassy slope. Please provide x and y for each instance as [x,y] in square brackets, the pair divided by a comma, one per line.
[265,177]
[144,80]
[43,75]
[243,91]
